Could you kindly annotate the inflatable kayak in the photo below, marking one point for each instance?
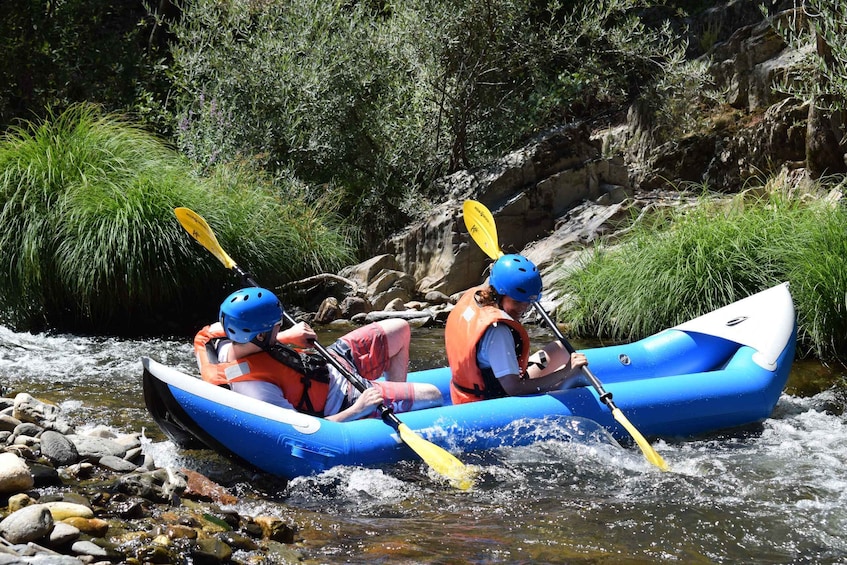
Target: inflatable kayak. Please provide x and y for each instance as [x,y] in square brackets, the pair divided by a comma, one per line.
[722,370]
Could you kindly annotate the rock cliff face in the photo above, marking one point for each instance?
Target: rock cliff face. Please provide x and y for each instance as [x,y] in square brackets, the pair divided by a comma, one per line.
[527,190]
[567,187]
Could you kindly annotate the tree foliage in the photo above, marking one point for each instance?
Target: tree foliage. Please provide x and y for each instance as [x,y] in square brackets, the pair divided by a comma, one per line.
[61,52]
[823,23]
[373,101]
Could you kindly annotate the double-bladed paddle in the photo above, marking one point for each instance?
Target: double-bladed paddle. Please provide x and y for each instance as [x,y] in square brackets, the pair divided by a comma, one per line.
[483,230]
[459,475]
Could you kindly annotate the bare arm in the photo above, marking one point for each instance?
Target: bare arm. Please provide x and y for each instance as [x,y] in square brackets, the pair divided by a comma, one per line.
[545,378]
[363,405]
[299,334]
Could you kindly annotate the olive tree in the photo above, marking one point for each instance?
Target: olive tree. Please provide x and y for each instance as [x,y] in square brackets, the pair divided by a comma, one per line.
[372,101]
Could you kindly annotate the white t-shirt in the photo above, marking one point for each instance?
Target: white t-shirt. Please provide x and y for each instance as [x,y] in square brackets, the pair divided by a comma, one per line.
[497,351]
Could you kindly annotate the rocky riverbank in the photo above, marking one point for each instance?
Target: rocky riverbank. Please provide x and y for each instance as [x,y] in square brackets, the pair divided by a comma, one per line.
[97,497]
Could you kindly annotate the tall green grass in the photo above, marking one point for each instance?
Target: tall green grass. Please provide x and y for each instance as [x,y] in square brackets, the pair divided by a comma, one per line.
[90,241]
[682,264]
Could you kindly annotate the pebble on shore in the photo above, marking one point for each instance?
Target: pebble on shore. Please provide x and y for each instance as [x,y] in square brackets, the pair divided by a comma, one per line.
[97,498]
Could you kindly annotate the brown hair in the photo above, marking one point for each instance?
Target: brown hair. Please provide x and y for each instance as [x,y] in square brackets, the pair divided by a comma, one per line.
[488,297]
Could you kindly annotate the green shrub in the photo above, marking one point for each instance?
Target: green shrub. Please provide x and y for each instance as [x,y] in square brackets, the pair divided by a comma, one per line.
[57,53]
[675,267]
[375,101]
[90,241]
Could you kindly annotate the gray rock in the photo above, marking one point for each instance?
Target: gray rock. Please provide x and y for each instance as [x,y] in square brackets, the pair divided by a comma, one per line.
[94,448]
[27,429]
[58,448]
[14,474]
[28,409]
[30,523]
[135,455]
[117,464]
[130,441]
[63,534]
[83,547]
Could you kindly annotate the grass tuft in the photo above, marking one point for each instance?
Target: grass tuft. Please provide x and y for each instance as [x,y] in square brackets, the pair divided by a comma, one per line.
[689,262]
[90,241]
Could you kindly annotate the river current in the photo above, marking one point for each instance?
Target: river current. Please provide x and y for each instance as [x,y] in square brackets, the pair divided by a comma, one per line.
[771,493]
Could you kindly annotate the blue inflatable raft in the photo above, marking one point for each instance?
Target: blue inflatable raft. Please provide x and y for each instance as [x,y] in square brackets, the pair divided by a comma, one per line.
[723,370]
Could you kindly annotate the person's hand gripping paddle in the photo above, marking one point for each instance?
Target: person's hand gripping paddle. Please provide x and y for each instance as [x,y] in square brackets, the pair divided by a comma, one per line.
[481,226]
[440,460]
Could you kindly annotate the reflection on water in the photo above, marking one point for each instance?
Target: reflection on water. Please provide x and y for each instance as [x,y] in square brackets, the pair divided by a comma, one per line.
[772,493]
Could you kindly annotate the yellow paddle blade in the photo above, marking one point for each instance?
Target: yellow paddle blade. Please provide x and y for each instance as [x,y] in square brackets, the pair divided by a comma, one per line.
[195,225]
[460,475]
[649,453]
[483,230]
[481,226]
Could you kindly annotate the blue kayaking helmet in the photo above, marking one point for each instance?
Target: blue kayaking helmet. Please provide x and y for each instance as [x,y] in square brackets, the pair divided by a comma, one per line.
[517,277]
[248,312]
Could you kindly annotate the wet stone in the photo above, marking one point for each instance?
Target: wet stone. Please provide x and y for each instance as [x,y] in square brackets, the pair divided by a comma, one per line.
[84,547]
[211,551]
[175,531]
[150,515]
[154,554]
[131,508]
[58,448]
[71,497]
[275,529]
[44,475]
[117,464]
[238,541]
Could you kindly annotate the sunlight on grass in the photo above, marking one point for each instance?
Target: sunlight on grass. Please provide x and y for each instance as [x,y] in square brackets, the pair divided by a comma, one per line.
[679,265]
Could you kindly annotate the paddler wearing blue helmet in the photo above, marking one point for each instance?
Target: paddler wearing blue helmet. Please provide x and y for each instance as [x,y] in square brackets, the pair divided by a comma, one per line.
[488,348]
[248,352]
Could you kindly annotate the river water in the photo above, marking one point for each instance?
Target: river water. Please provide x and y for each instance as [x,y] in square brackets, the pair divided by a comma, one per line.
[773,493]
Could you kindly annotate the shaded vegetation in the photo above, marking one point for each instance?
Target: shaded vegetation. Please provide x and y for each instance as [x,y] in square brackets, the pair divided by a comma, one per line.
[90,242]
[58,53]
[374,101]
[673,267]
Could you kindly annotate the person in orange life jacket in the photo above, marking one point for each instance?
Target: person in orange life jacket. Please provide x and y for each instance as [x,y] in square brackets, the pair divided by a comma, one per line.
[248,344]
[488,348]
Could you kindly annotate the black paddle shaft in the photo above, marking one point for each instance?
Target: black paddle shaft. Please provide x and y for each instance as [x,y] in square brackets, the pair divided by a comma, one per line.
[605,396]
[384,411]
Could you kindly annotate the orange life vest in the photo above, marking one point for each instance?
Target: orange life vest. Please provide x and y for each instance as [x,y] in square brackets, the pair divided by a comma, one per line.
[305,390]
[465,327]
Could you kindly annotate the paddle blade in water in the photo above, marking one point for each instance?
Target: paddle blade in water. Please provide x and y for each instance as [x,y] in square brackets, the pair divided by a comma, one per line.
[649,453]
[460,475]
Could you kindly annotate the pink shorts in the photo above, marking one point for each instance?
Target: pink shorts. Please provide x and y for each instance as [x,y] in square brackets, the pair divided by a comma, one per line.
[398,396]
[366,349]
